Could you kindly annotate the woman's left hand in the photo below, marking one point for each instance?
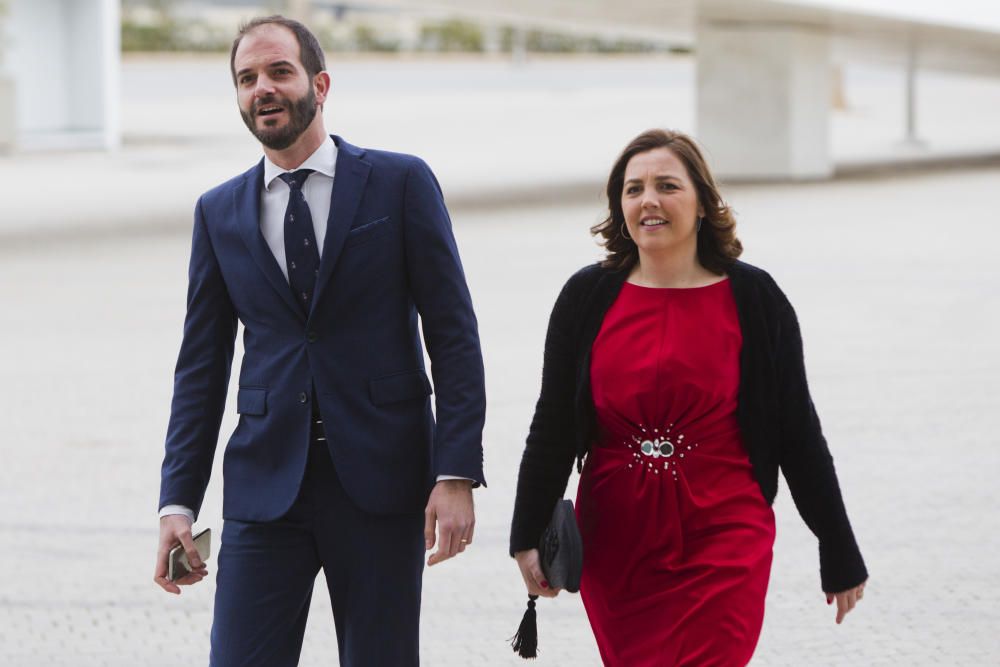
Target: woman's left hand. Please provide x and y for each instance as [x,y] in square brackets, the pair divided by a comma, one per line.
[846,600]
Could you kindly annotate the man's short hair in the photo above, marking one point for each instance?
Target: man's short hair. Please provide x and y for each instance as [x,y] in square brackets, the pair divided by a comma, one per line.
[310,52]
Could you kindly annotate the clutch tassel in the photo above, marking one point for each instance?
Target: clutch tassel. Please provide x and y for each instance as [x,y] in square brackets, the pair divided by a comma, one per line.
[525,642]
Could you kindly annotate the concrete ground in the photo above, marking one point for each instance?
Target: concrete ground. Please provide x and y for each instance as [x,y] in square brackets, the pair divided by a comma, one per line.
[896,287]
[493,131]
[894,279]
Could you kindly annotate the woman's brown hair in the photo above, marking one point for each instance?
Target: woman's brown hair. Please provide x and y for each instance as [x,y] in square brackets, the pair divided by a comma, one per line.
[718,246]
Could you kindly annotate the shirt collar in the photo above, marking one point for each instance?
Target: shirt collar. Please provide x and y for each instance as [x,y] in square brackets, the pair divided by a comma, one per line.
[323,160]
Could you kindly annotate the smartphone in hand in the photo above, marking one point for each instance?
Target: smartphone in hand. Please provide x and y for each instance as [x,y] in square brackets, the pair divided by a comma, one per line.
[177,563]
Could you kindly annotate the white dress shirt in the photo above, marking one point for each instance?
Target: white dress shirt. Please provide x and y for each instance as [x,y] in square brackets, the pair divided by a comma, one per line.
[318,190]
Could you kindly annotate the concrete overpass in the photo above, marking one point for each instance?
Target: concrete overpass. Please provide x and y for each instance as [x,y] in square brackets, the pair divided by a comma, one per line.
[763,66]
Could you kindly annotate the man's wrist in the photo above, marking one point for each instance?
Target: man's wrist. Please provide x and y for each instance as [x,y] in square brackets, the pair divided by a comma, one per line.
[446,478]
[169,510]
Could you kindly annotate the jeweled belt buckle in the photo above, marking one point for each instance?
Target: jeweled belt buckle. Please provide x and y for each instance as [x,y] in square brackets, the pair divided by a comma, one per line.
[658,446]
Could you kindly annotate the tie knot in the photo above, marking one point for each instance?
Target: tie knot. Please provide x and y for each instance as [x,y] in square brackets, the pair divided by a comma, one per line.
[295,179]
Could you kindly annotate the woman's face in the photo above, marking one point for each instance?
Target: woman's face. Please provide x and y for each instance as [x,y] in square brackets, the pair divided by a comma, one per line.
[660,203]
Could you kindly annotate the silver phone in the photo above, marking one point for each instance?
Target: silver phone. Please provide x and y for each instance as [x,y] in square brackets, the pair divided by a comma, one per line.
[178,565]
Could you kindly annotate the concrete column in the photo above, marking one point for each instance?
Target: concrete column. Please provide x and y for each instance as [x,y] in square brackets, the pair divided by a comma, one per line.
[110,57]
[763,100]
[492,39]
[8,100]
[8,120]
[65,59]
[912,63]
[519,45]
[300,10]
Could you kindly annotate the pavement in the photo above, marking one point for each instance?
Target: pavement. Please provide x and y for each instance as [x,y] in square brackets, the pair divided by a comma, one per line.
[495,132]
[896,287]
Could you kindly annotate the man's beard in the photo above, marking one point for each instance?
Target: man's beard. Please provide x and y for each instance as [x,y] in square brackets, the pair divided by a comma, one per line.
[300,114]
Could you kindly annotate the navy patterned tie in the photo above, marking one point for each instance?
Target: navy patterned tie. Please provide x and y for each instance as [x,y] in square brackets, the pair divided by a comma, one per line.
[301,253]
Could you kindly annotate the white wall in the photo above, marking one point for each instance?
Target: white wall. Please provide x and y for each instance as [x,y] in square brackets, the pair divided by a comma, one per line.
[63,56]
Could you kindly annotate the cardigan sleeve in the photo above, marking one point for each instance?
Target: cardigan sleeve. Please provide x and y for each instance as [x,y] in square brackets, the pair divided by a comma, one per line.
[550,449]
[808,466]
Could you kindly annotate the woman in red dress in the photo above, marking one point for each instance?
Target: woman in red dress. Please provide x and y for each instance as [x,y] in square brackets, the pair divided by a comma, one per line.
[676,371]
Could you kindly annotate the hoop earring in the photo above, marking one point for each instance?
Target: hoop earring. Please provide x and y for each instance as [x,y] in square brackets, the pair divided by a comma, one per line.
[624,231]
[698,227]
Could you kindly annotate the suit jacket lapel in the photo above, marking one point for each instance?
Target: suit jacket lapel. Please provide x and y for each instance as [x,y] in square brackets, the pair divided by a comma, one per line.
[349,181]
[246,199]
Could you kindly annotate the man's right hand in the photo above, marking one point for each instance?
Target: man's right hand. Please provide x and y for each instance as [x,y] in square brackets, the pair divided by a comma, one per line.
[531,570]
[176,529]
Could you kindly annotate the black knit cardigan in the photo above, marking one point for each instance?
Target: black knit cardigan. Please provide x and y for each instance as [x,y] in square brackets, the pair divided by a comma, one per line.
[776,415]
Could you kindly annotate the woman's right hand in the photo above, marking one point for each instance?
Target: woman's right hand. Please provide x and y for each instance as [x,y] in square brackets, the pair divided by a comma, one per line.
[531,570]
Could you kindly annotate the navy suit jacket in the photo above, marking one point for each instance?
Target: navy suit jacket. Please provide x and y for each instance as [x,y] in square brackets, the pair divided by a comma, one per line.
[389,256]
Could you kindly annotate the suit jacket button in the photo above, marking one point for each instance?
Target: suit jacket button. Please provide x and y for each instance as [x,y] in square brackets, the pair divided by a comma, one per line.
[312,337]
[303,397]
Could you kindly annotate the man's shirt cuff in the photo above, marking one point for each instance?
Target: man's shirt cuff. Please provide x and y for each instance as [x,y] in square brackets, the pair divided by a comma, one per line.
[167,510]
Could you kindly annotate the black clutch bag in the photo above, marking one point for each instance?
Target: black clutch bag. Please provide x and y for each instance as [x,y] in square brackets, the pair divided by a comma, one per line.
[560,552]
[561,549]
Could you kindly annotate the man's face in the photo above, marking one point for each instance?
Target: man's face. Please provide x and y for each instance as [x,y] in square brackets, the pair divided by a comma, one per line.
[277,100]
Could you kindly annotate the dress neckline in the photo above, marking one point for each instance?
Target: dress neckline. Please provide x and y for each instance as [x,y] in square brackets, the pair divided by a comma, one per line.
[678,289]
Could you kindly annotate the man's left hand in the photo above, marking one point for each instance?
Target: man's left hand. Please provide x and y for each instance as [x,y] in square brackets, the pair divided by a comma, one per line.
[450,507]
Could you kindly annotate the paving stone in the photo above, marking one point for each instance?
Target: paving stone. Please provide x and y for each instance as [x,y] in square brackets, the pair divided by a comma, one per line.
[896,286]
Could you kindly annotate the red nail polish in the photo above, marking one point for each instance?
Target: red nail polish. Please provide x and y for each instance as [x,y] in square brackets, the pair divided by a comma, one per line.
[545,584]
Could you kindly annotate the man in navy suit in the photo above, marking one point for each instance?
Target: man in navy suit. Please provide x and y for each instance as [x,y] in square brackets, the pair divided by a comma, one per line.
[327,253]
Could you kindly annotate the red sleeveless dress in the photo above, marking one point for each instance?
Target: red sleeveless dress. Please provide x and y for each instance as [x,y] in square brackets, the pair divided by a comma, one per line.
[677,535]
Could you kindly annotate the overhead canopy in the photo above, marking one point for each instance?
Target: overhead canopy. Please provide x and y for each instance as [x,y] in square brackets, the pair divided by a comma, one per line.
[957,35]
[942,35]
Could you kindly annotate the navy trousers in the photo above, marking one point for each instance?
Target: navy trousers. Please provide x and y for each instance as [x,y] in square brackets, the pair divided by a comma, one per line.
[373,566]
